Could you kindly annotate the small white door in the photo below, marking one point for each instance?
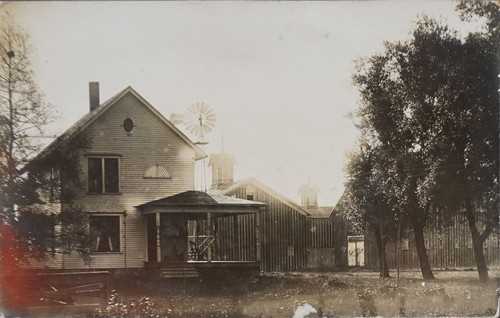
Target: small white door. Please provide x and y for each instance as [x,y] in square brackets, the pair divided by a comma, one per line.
[356,250]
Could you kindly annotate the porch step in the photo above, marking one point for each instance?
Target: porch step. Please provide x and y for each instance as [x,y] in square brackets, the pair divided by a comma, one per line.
[179,271]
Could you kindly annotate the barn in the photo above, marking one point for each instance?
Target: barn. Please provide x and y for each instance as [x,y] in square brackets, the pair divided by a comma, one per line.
[293,237]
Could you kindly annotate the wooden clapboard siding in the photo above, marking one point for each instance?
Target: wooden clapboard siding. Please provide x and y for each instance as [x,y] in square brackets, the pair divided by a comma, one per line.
[151,142]
[443,251]
[50,263]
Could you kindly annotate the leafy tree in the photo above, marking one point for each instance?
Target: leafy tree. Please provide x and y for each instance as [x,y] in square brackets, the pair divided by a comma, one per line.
[37,216]
[487,10]
[365,203]
[458,99]
[48,218]
[387,119]
[476,154]
[23,111]
[432,104]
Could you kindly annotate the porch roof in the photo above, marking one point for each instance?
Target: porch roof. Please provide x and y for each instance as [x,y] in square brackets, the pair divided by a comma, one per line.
[201,202]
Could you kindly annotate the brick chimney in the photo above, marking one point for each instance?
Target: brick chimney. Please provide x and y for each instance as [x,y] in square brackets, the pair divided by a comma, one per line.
[94,95]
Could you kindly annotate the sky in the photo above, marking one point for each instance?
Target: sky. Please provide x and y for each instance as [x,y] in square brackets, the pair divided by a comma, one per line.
[277,74]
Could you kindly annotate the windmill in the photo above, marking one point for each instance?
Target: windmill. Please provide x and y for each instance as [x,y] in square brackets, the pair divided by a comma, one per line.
[199,120]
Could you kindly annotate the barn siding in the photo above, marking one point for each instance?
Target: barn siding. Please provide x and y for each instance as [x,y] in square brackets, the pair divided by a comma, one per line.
[448,248]
[150,143]
[321,245]
[284,233]
[235,239]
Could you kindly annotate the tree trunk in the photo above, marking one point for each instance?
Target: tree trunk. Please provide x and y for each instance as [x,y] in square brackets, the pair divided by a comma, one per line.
[477,241]
[381,252]
[423,259]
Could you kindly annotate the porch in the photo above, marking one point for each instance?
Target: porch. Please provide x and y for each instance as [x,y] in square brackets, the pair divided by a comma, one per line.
[196,234]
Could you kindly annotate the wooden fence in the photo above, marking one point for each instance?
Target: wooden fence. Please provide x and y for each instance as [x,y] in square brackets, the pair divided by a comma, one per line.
[449,247]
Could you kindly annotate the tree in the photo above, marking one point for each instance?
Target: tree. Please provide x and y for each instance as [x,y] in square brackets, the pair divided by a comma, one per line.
[478,151]
[366,205]
[386,117]
[36,212]
[458,98]
[23,111]
[432,104]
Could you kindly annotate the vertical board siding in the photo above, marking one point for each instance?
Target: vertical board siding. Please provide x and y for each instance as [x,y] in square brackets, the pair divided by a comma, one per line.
[321,251]
[283,234]
[290,241]
[235,239]
[448,248]
[321,232]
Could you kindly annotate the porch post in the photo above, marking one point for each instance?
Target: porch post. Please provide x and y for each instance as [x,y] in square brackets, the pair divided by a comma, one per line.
[158,238]
[209,234]
[257,237]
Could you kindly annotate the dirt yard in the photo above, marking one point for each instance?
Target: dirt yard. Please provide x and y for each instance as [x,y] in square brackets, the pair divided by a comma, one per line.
[342,294]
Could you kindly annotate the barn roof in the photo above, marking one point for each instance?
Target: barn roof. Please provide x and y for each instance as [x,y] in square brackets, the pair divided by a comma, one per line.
[339,207]
[321,212]
[195,200]
[243,183]
[93,115]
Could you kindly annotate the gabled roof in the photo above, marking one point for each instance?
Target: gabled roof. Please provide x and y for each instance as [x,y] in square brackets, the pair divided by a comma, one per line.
[321,212]
[328,211]
[243,183]
[90,117]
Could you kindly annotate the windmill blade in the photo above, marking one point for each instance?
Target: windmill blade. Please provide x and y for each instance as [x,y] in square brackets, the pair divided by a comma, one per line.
[199,119]
[177,119]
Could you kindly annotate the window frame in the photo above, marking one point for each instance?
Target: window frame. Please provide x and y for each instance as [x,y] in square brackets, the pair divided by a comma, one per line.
[103,174]
[123,126]
[120,232]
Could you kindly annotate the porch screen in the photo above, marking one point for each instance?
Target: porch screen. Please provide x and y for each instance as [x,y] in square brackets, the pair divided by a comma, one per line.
[105,233]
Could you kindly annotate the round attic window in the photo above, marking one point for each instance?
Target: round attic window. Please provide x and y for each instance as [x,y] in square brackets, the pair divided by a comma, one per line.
[128,125]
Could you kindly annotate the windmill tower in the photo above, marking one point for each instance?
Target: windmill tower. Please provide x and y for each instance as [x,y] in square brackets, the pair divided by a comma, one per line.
[199,120]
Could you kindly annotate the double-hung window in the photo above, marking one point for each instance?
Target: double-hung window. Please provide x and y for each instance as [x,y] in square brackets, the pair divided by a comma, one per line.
[103,175]
[105,233]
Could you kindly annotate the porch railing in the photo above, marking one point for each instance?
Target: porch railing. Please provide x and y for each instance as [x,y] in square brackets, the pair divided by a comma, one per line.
[199,251]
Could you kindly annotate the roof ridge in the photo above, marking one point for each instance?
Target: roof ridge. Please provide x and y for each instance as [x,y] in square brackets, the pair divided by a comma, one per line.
[280,196]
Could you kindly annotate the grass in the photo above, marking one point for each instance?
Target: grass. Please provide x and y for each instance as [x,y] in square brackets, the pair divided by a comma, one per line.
[339,294]
[342,294]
